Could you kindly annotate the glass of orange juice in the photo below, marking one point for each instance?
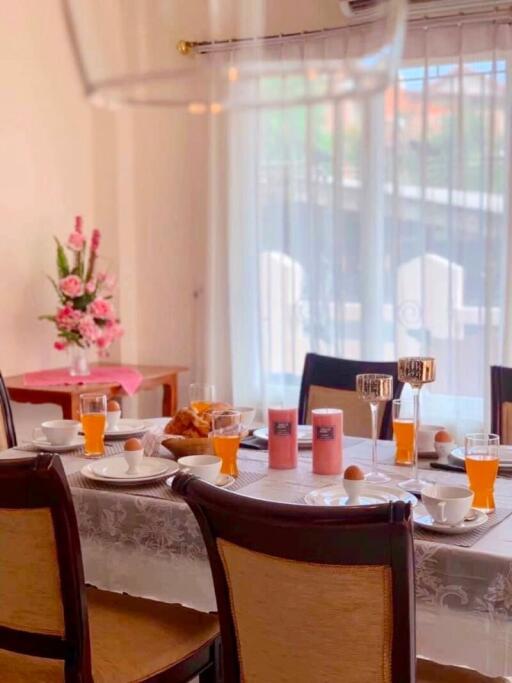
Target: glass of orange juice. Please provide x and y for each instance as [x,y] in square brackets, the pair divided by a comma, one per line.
[226,432]
[201,396]
[403,431]
[93,413]
[482,461]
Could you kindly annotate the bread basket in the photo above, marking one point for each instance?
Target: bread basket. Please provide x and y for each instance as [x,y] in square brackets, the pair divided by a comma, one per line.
[180,447]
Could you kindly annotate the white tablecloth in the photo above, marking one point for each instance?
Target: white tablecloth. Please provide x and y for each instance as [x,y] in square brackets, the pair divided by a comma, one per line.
[152,548]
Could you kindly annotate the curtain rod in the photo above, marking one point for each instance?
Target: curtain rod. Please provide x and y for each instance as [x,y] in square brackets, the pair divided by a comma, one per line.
[500,15]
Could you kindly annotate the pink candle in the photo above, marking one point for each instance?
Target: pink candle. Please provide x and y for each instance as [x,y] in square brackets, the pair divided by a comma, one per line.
[327,440]
[282,438]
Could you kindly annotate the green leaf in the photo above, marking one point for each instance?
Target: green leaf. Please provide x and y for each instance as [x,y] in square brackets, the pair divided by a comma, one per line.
[62,260]
[51,318]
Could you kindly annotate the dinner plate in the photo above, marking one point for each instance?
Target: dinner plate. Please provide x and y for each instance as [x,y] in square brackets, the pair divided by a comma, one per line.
[116,467]
[371,494]
[505,455]
[44,445]
[126,428]
[224,481]
[426,522]
[89,474]
[304,434]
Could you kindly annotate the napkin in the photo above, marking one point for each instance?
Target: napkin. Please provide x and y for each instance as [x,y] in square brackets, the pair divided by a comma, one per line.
[152,443]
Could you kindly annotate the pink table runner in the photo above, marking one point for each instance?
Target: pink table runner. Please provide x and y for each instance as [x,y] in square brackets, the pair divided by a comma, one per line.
[129,379]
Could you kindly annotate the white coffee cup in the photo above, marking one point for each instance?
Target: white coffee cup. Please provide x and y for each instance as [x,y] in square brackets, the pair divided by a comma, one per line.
[60,432]
[447,504]
[206,467]
[113,417]
[133,459]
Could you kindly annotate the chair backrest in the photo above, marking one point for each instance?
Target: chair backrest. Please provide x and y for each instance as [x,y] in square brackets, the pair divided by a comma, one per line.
[43,610]
[308,593]
[501,403]
[7,432]
[331,383]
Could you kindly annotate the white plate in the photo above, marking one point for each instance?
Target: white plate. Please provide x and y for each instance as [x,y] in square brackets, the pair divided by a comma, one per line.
[426,522]
[89,474]
[126,428]
[304,434]
[505,452]
[116,467]
[44,445]
[372,494]
[224,481]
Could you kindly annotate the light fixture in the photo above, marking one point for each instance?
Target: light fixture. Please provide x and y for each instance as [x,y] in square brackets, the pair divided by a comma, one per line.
[208,55]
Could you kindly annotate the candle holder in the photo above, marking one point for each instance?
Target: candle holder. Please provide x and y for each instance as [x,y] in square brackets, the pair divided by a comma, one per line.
[374,389]
[416,371]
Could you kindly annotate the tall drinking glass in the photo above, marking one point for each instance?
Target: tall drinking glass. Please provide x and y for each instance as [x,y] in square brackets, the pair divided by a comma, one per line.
[416,371]
[227,430]
[374,389]
[482,461]
[93,414]
[201,396]
[403,431]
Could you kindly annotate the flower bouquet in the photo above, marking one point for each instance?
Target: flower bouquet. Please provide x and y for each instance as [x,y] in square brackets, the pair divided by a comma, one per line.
[85,316]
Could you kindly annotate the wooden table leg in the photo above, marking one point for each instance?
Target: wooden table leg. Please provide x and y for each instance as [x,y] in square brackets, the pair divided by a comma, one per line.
[170,397]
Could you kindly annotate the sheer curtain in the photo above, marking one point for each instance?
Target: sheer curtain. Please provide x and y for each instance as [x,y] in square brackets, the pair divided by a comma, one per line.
[378,228]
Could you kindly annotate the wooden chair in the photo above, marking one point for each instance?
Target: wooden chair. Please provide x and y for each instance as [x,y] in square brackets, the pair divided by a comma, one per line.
[331,382]
[501,403]
[54,629]
[7,431]
[308,594]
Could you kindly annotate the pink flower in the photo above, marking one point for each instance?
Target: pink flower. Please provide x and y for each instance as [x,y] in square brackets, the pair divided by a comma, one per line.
[100,308]
[88,329]
[95,240]
[109,333]
[71,286]
[90,287]
[67,318]
[76,241]
[60,345]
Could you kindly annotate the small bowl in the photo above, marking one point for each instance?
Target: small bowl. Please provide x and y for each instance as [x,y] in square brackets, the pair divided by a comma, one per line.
[60,432]
[206,467]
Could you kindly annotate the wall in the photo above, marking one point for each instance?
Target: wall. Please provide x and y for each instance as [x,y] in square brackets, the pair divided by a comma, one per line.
[130,174]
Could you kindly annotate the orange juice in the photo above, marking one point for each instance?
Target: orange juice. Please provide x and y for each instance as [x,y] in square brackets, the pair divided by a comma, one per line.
[93,425]
[200,406]
[482,471]
[403,431]
[226,448]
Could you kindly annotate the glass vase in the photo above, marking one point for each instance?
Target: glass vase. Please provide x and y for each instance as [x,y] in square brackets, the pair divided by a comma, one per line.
[79,364]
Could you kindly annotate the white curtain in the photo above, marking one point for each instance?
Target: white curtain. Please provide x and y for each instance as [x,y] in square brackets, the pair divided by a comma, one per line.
[377,228]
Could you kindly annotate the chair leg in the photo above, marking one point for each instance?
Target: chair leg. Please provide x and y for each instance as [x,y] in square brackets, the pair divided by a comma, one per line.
[213,674]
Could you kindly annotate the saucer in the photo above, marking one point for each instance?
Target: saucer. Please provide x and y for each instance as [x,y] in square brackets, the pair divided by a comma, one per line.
[116,467]
[224,481]
[126,428]
[426,522]
[44,445]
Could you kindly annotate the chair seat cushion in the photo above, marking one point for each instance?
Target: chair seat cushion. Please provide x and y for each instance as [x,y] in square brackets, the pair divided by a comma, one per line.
[133,638]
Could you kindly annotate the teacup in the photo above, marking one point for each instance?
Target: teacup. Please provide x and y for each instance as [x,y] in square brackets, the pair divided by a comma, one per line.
[113,417]
[60,432]
[447,504]
[206,467]
[133,460]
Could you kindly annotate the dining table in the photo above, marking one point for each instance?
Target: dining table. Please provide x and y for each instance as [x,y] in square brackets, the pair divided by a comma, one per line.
[144,541]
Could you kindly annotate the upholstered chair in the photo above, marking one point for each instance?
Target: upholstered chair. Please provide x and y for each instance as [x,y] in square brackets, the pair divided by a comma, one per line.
[331,383]
[53,628]
[308,594]
[7,431]
[501,403]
